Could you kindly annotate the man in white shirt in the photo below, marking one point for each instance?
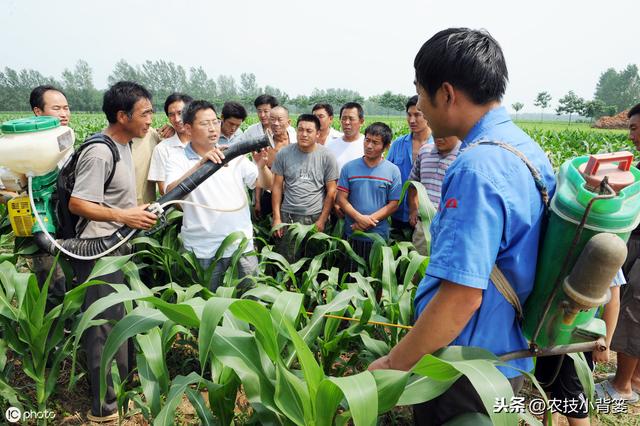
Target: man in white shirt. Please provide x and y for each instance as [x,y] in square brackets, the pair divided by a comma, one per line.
[173,107]
[324,112]
[203,230]
[351,145]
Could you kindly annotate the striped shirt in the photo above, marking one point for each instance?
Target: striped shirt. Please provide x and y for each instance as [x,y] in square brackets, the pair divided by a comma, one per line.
[429,169]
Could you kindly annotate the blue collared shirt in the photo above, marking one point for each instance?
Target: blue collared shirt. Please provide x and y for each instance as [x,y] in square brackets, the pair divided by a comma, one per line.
[401,154]
[490,213]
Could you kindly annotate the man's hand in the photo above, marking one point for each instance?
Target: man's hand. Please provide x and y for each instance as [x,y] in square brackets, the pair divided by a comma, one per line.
[215,156]
[600,357]
[278,232]
[137,217]
[257,210]
[382,363]
[337,210]
[166,131]
[413,217]
[320,225]
[261,157]
[365,222]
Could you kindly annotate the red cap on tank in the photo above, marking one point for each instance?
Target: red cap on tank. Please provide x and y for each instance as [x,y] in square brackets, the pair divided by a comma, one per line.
[601,165]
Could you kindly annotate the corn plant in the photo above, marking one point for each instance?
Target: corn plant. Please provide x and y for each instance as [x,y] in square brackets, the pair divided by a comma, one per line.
[37,337]
[264,348]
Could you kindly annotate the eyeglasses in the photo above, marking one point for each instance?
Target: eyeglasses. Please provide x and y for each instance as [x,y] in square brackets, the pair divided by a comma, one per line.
[209,123]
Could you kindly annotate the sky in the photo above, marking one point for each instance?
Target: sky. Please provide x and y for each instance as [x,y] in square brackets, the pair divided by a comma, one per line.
[368,46]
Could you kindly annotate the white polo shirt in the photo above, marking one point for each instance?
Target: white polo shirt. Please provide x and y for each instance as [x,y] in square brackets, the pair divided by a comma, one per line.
[160,157]
[333,133]
[204,230]
[346,151]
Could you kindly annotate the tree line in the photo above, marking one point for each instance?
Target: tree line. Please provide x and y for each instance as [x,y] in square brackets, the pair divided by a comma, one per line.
[164,77]
[616,91]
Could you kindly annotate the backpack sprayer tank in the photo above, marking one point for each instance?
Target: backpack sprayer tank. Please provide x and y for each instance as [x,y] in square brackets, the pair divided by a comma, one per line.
[33,147]
[594,210]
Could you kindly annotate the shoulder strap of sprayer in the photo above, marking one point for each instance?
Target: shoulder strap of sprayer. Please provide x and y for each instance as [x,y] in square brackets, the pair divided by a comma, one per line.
[78,226]
[497,277]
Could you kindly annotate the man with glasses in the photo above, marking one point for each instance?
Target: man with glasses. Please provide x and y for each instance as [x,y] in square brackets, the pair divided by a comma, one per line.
[203,230]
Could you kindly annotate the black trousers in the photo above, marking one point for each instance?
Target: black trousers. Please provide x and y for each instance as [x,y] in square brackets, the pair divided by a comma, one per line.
[94,338]
[460,398]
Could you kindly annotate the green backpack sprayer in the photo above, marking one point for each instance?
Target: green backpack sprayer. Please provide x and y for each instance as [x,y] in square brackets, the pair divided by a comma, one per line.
[594,210]
[32,149]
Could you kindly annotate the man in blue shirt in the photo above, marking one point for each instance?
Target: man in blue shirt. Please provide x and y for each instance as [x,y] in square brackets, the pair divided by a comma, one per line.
[490,214]
[402,153]
[369,189]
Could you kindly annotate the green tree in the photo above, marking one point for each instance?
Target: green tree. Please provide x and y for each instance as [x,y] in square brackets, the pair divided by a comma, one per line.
[335,97]
[390,101]
[200,86]
[570,104]
[619,88]
[249,89]
[162,78]
[593,109]
[227,88]
[517,107]
[543,100]
[122,71]
[78,86]
[301,102]
[280,95]
[15,87]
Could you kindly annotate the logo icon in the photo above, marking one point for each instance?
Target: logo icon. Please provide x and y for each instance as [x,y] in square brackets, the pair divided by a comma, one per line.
[13,414]
[451,203]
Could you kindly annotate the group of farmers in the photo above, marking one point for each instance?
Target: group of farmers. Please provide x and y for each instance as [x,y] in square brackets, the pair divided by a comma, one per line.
[490,211]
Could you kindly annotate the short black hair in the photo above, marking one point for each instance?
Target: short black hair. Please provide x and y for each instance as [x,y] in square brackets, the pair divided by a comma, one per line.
[36,98]
[233,109]
[379,129]
[310,118]
[176,97]
[413,101]
[325,106]
[351,105]
[122,96]
[265,99]
[470,60]
[189,113]
[633,111]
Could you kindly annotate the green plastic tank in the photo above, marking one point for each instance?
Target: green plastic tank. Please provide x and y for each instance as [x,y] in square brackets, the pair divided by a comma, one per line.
[578,183]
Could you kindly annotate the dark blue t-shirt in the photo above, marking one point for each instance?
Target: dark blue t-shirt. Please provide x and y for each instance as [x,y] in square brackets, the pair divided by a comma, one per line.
[370,189]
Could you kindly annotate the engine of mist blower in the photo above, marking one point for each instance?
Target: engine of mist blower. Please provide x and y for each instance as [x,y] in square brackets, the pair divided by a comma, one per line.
[33,147]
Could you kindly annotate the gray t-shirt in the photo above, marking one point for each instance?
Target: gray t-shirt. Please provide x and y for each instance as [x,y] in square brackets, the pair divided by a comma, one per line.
[92,171]
[305,176]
